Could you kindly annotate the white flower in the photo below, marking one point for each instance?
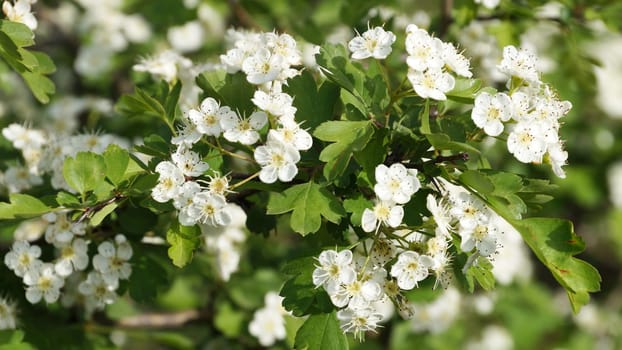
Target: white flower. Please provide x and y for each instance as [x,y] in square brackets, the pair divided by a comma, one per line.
[188,134]
[527,142]
[423,51]
[262,67]
[396,183]
[431,83]
[22,257]
[169,182]
[73,257]
[519,63]
[184,201]
[277,161]
[455,61]
[22,137]
[162,66]
[483,237]
[19,178]
[112,260]
[210,116]
[244,130]
[489,111]
[284,45]
[187,37]
[384,212]
[356,294]
[375,42]
[557,157]
[334,269]
[209,208]
[489,4]
[441,215]
[267,326]
[218,184]
[20,12]
[62,230]
[410,269]
[44,283]
[189,162]
[275,103]
[292,135]
[97,290]
[358,321]
[467,209]
[7,314]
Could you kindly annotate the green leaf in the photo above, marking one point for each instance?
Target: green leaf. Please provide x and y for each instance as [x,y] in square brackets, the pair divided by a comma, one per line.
[228,320]
[444,142]
[84,172]
[13,340]
[172,98]
[19,33]
[464,90]
[348,137]
[102,213]
[22,206]
[154,145]
[67,199]
[555,243]
[116,160]
[231,90]
[481,271]
[309,202]
[148,276]
[356,206]
[321,332]
[314,106]
[477,181]
[301,297]
[41,86]
[183,240]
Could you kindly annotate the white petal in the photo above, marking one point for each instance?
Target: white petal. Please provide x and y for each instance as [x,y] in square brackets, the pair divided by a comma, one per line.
[368,220]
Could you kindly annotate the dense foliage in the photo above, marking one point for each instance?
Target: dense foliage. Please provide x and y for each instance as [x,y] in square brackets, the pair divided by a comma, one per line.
[311,175]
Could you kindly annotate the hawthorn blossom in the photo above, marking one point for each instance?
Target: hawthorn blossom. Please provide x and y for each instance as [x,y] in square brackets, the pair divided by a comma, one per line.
[184,202]
[189,162]
[490,111]
[245,130]
[275,103]
[169,182]
[268,324]
[262,67]
[431,83]
[22,257]
[383,212]
[291,134]
[396,183]
[375,42]
[44,283]
[411,268]
[520,63]
[440,214]
[112,260]
[73,257]
[277,161]
[483,237]
[97,291]
[358,321]
[423,51]
[20,12]
[209,208]
[334,268]
[210,116]
[526,142]
[8,319]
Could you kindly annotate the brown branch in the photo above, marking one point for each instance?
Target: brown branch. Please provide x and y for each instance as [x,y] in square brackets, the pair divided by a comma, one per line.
[161,320]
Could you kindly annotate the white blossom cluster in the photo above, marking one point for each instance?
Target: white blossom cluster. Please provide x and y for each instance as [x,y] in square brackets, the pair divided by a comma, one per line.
[20,11]
[44,280]
[430,61]
[531,110]
[268,324]
[106,30]
[267,59]
[45,151]
[397,259]
[8,314]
